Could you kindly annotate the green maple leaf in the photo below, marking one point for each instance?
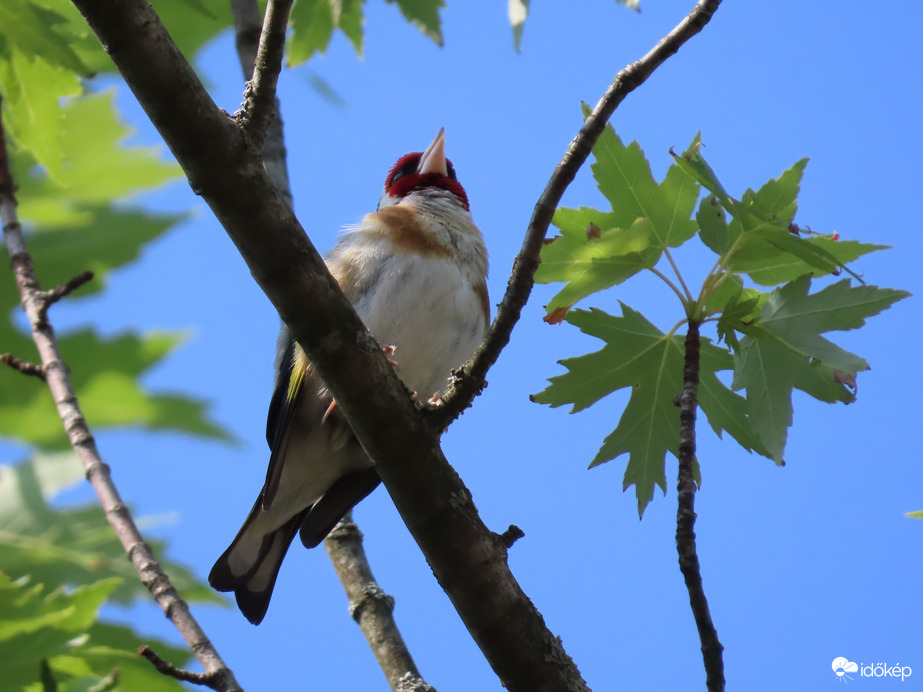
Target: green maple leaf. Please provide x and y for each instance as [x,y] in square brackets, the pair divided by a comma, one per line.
[769,267]
[600,249]
[760,240]
[423,14]
[638,355]
[96,168]
[785,350]
[314,21]
[624,177]
[30,28]
[725,410]
[588,264]
[50,638]
[33,91]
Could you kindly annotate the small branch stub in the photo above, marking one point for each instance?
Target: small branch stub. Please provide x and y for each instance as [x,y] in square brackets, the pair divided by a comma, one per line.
[22,366]
[164,667]
[511,535]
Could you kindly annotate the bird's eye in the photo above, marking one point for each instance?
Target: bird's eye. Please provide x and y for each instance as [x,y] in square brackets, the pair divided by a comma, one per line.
[451,171]
[408,167]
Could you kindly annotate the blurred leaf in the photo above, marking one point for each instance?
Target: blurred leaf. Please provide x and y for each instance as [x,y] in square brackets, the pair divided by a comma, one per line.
[96,167]
[38,625]
[110,238]
[30,28]
[191,24]
[74,546]
[104,375]
[518,12]
[200,7]
[916,515]
[33,90]
[325,90]
[424,14]
[52,635]
[102,367]
[631,4]
[194,23]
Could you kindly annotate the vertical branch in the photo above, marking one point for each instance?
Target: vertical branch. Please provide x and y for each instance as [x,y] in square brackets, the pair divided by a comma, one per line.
[260,102]
[35,302]
[685,516]
[247,31]
[372,608]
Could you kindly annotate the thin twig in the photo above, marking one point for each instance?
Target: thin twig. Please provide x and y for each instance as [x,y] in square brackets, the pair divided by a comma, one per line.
[260,95]
[371,607]
[469,384]
[685,516]
[49,298]
[22,366]
[247,31]
[166,668]
[81,439]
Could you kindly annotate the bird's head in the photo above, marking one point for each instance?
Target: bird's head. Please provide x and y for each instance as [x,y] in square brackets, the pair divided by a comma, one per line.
[429,173]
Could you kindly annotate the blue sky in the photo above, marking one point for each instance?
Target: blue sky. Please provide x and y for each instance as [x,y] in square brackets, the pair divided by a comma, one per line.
[801,564]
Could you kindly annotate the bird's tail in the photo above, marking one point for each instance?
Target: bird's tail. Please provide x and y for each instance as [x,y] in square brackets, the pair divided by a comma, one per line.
[251,563]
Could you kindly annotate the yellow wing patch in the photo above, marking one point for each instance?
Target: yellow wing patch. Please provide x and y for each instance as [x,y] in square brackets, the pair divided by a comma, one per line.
[299,367]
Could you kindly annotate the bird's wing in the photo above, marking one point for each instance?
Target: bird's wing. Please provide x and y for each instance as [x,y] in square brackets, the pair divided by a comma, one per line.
[292,383]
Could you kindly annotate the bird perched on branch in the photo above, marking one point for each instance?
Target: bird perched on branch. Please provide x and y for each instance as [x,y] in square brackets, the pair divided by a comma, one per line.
[415,270]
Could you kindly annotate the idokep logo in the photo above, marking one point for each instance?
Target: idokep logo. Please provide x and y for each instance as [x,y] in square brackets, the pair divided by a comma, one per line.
[842,667]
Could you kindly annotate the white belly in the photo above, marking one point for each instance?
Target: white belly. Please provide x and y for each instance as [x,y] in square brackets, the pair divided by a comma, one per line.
[428,310]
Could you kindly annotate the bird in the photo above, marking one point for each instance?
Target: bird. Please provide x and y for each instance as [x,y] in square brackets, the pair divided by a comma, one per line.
[415,271]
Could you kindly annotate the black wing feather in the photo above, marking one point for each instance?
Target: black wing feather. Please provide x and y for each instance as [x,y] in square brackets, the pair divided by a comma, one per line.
[281,410]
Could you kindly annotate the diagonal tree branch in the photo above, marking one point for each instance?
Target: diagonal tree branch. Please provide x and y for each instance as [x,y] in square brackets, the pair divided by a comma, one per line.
[468,560]
[35,303]
[344,544]
[469,382]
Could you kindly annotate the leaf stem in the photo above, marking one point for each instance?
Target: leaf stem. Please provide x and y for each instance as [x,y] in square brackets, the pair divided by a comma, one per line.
[672,285]
[712,648]
[689,300]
